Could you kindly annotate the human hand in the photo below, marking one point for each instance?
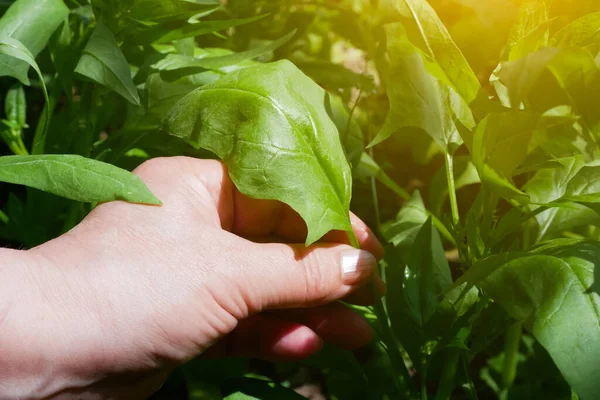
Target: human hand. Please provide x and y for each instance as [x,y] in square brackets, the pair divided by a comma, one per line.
[134,290]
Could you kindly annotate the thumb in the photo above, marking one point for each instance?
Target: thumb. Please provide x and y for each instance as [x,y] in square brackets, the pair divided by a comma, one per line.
[280,276]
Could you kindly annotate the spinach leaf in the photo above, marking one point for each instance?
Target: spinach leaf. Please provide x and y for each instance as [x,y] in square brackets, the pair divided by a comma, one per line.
[427,274]
[103,62]
[32,23]
[75,178]
[417,98]
[439,45]
[269,125]
[553,293]
[174,62]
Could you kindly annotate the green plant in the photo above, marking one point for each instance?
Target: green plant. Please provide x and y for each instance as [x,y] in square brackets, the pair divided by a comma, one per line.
[491,275]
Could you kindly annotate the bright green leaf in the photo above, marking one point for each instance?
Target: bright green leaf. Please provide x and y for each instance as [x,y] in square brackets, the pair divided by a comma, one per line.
[440,46]
[270,126]
[417,98]
[31,22]
[104,63]
[75,178]
[579,33]
[15,106]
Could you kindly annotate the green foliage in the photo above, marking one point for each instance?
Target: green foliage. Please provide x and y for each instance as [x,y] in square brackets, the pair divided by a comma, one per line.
[472,149]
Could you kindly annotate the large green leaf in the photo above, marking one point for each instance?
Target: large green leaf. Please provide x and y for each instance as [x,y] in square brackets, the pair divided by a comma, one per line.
[104,62]
[270,126]
[31,22]
[418,99]
[75,178]
[554,293]
[439,45]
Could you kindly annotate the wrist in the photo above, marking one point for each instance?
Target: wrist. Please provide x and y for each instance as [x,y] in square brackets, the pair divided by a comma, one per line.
[46,325]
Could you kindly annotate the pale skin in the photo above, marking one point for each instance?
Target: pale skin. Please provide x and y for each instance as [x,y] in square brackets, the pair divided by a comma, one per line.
[108,310]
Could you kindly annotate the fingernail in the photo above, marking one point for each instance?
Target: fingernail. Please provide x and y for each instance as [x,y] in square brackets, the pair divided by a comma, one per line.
[357,266]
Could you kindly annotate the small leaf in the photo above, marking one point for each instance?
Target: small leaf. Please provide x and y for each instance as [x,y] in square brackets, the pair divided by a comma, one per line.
[258,389]
[103,62]
[270,126]
[173,62]
[403,231]
[166,33]
[76,178]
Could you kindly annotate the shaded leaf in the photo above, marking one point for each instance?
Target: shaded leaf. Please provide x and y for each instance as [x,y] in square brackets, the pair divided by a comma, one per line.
[75,178]
[500,145]
[258,389]
[270,126]
[412,216]
[552,292]
[166,33]
[427,274]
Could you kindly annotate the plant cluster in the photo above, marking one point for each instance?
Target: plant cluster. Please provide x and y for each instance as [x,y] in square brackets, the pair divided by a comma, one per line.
[492,256]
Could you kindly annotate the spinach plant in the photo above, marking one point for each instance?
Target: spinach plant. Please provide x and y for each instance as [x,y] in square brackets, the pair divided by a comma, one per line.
[491,262]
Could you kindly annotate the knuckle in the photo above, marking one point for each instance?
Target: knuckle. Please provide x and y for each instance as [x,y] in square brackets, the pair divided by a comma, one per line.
[316,281]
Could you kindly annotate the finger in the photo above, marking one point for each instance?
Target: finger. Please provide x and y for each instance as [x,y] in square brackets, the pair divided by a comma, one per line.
[265,218]
[270,338]
[193,182]
[364,296]
[334,323]
[279,276]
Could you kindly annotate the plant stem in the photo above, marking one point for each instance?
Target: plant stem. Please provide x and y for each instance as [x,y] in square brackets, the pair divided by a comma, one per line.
[511,353]
[452,189]
[448,379]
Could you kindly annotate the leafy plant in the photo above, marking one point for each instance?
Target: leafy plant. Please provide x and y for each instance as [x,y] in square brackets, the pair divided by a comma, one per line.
[492,257]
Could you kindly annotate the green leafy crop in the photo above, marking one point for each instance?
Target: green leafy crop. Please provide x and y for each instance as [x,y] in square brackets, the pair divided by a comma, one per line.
[466,133]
